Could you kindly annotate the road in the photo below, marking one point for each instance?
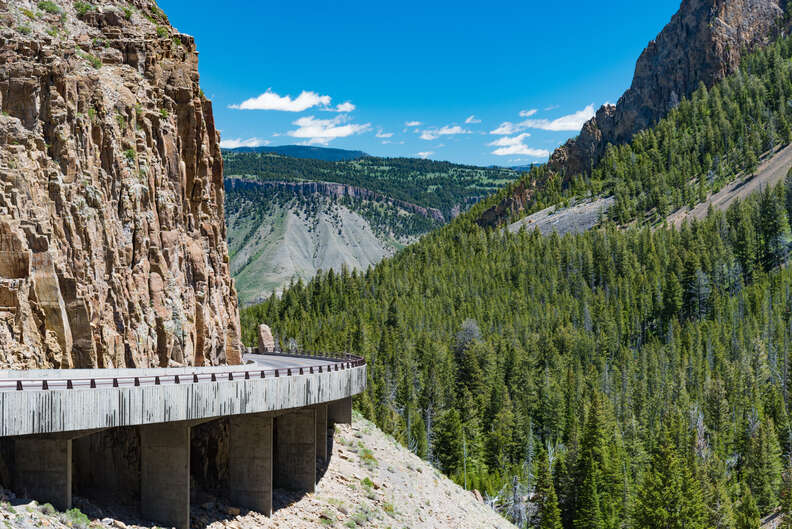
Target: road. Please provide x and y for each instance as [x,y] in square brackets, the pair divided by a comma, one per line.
[264,361]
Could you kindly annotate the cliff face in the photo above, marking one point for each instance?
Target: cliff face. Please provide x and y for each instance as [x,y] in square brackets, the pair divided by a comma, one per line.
[703,43]
[112,239]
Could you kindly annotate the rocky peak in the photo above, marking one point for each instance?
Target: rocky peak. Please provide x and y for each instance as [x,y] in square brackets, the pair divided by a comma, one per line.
[702,43]
[112,239]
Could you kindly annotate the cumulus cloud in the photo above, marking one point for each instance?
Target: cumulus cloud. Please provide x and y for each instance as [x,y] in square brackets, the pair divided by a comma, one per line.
[527,113]
[323,131]
[382,134]
[238,142]
[412,124]
[472,119]
[269,100]
[571,122]
[510,146]
[425,154]
[506,128]
[446,130]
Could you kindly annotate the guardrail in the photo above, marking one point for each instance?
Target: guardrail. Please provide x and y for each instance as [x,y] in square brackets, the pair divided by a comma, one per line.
[190,376]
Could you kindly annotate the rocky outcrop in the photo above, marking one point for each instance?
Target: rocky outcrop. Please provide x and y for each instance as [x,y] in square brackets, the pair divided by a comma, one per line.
[112,239]
[336,190]
[703,43]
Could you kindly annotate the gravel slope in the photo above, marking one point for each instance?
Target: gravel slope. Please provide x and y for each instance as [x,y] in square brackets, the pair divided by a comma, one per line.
[371,481]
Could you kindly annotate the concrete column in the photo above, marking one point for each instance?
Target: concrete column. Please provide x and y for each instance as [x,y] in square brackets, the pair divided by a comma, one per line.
[340,411]
[44,470]
[250,462]
[165,473]
[296,450]
[321,432]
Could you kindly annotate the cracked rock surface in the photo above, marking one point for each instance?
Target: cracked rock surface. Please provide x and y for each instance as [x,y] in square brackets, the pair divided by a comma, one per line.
[112,239]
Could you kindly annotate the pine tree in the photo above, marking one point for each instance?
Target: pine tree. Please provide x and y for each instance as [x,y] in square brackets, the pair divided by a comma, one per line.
[748,513]
[548,513]
[447,446]
[669,497]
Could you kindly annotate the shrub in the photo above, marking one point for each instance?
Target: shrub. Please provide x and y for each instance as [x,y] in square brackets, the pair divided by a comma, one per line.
[82,8]
[162,32]
[127,13]
[47,509]
[50,7]
[28,13]
[164,113]
[96,62]
[25,30]
[130,155]
[76,518]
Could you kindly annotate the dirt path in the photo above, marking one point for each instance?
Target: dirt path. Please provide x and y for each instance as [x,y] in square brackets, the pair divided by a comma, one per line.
[772,170]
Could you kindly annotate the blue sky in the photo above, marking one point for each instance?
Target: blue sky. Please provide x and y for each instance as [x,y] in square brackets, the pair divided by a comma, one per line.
[487,83]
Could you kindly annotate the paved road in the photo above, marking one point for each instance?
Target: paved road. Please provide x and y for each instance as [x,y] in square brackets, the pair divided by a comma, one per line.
[264,361]
[256,366]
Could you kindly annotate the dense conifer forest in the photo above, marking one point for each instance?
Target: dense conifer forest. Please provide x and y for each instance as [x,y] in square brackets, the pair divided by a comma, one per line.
[441,185]
[621,378]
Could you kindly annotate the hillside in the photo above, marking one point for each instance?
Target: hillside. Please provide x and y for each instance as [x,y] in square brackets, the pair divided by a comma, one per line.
[327,154]
[371,481]
[289,218]
[111,227]
[279,235]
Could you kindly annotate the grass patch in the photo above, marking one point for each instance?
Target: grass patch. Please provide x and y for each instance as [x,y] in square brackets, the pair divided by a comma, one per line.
[25,30]
[47,509]
[164,113]
[327,518]
[83,8]
[50,7]
[122,123]
[95,61]
[130,155]
[162,32]
[127,13]
[28,13]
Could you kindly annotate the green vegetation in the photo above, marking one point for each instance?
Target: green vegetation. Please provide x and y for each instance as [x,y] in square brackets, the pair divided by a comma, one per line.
[127,13]
[643,359]
[164,113]
[130,155]
[701,145]
[50,7]
[76,518]
[96,62]
[28,13]
[25,30]
[162,32]
[441,185]
[83,8]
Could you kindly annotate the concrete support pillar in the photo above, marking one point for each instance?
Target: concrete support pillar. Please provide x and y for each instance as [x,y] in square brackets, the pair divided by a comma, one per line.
[321,432]
[165,473]
[44,470]
[250,462]
[340,411]
[296,450]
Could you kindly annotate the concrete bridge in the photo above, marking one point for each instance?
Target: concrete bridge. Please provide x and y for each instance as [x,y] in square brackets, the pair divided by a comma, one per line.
[276,409]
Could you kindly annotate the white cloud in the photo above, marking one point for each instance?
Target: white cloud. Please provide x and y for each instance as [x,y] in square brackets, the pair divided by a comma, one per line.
[527,113]
[505,128]
[425,154]
[269,100]
[238,142]
[323,131]
[412,124]
[509,146]
[551,107]
[345,107]
[446,130]
[382,134]
[572,122]
[472,119]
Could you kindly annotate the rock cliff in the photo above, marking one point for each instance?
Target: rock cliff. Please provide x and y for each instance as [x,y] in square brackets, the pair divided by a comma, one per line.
[702,43]
[112,239]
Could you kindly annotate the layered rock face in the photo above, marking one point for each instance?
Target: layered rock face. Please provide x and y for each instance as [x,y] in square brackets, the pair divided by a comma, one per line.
[112,237]
[703,43]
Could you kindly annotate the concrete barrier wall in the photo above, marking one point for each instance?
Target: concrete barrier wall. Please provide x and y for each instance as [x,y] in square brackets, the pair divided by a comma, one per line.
[50,411]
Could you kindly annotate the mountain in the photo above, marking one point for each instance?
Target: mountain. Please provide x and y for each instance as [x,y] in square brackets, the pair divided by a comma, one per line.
[703,42]
[630,373]
[302,151]
[111,227]
[288,218]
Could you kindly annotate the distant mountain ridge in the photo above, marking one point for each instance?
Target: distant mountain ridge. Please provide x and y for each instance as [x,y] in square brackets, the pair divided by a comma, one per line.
[326,154]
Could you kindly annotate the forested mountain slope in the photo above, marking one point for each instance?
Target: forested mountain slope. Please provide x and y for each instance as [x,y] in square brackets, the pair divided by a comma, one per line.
[305,151]
[288,217]
[630,376]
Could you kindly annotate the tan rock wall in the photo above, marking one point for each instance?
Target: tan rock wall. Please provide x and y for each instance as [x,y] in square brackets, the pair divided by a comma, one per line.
[112,238]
